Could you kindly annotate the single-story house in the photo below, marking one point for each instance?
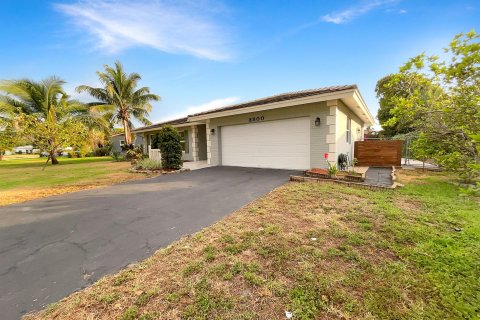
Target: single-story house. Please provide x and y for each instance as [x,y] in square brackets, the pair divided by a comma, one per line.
[118,140]
[24,149]
[286,131]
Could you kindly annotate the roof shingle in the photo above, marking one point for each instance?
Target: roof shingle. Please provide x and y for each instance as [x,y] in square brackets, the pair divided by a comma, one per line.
[160,124]
[280,97]
[257,102]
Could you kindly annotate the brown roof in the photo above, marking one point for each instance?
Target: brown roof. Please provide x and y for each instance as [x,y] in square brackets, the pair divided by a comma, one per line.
[160,124]
[281,97]
[258,102]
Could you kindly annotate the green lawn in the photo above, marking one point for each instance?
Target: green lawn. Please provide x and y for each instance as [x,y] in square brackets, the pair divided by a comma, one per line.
[23,178]
[321,251]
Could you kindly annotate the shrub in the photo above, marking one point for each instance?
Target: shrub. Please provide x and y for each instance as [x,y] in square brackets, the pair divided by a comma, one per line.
[117,156]
[101,151]
[148,164]
[332,169]
[132,153]
[156,141]
[170,147]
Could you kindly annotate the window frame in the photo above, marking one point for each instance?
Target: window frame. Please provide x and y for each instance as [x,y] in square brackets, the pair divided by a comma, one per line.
[349,130]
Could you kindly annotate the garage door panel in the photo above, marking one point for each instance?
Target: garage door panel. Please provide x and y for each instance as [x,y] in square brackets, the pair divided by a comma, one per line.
[282,144]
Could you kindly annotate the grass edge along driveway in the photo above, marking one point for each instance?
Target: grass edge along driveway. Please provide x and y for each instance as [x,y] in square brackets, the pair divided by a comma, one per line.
[317,250]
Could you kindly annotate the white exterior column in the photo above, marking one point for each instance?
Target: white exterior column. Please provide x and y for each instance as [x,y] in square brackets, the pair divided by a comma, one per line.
[194,138]
[209,142]
[332,130]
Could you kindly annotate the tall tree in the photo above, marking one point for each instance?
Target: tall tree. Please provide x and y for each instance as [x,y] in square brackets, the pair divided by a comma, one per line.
[444,103]
[8,139]
[47,114]
[120,98]
[6,112]
[391,86]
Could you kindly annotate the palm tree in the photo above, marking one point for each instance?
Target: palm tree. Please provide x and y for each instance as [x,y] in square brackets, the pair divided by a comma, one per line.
[120,98]
[48,104]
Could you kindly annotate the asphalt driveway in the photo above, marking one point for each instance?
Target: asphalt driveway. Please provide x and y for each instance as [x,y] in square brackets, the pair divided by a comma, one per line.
[54,246]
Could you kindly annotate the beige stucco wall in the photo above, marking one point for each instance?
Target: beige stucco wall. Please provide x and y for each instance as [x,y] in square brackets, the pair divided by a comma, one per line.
[318,145]
[342,146]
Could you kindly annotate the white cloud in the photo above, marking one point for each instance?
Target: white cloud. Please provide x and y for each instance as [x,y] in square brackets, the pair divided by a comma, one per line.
[341,17]
[217,103]
[185,27]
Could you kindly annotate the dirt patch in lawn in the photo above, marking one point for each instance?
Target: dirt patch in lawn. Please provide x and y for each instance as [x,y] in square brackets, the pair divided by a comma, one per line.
[419,176]
[19,195]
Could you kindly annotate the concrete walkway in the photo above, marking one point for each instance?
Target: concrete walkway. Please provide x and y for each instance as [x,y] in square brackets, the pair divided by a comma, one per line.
[416,164]
[195,165]
[379,176]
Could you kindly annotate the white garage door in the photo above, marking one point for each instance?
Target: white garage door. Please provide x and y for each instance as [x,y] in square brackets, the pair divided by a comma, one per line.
[281,144]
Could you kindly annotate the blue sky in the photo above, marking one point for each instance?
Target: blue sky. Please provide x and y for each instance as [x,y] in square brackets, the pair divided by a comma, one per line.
[208,53]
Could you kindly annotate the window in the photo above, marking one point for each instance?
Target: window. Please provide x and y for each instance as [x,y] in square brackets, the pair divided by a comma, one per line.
[122,143]
[349,130]
[184,140]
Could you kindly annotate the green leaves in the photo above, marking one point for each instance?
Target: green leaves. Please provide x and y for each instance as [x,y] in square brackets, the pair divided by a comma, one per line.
[438,100]
[170,147]
[46,115]
[121,97]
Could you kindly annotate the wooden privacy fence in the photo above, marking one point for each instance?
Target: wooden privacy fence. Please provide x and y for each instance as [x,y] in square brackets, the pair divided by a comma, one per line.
[381,153]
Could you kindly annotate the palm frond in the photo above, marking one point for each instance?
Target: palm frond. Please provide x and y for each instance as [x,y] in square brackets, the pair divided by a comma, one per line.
[119,98]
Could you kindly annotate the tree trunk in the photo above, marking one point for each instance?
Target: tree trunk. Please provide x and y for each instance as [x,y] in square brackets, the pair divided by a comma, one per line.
[53,157]
[1,155]
[126,132]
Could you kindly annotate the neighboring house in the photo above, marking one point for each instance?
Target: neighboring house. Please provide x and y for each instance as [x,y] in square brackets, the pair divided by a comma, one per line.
[23,150]
[286,131]
[118,140]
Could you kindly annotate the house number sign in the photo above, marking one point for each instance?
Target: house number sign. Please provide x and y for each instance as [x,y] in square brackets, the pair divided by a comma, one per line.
[256,119]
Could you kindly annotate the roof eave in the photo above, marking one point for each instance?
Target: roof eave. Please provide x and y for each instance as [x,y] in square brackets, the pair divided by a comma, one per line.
[289,103]
[351,96]
[178,125]
[368,118]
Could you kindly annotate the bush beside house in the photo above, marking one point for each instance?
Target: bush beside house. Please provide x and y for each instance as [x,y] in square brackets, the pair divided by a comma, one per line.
[168,141]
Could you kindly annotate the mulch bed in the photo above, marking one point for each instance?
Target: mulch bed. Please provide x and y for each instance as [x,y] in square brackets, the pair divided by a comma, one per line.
[157,171]
[322,173]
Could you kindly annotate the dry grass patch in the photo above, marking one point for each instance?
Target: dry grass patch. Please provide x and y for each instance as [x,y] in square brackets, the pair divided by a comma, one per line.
[24,179]
[319,251]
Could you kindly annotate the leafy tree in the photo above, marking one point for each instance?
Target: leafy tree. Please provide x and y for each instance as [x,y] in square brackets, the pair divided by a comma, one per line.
[52,137]
[392,86]
[47,114]
[443,104]
[8,139]
[120,98]
[6,111]
[170,147]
